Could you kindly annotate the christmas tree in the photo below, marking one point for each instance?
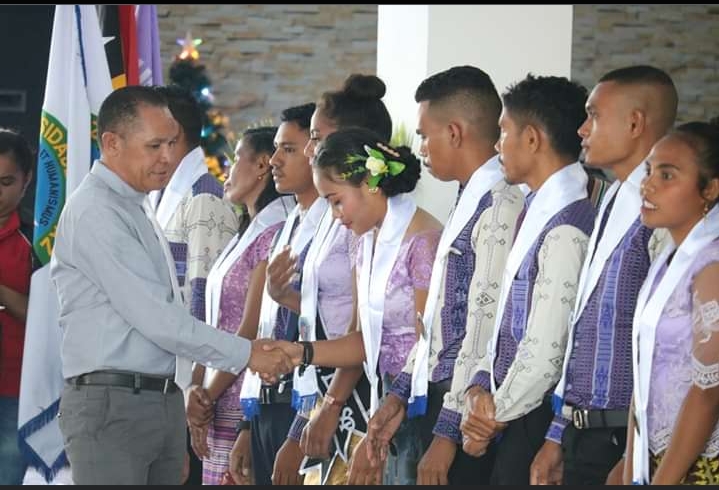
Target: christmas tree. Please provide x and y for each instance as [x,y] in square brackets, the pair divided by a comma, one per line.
[187,72]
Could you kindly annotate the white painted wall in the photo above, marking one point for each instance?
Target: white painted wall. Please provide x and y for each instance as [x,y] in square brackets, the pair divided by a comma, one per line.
[507,42]
[402,31]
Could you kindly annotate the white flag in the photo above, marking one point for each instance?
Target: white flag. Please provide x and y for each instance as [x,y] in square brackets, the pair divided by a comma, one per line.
[78,80]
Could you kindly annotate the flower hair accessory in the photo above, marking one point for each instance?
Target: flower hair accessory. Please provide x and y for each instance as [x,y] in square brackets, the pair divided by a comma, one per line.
[376,164]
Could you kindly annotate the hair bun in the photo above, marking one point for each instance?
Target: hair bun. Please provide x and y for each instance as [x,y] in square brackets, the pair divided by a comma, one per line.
[364,86]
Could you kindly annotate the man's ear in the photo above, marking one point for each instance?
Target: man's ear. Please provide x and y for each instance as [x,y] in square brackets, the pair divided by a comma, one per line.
[532,137]
[638,122]
[457,131]
[110,143]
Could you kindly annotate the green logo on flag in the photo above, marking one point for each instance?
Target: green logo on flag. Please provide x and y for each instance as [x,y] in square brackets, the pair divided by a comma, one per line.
[50,195]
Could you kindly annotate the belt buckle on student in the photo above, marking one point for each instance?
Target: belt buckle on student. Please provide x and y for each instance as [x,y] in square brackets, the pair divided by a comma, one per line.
[580,418]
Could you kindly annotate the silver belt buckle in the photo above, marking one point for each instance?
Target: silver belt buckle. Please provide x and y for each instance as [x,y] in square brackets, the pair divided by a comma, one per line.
[580,418]
[166,386]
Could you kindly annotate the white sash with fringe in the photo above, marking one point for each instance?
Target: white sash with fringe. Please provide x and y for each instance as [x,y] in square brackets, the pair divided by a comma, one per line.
[275,212]
[646,317]
[305,387]
[621,217]
[481,182]
[378,261]
[268,310]
[560,190]
[183,365]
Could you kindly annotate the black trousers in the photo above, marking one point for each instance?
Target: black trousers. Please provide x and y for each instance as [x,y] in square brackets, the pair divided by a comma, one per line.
[465,469]
[519,443]
[590,454]
[269,432]
[195,475]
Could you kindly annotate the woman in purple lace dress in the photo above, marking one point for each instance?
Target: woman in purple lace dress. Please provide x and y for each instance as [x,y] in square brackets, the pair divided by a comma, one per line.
[673,434]
[233,296]
[367,184]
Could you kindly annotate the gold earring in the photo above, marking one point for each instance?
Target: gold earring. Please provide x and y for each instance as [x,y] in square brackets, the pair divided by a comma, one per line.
[373,190]
[706,208]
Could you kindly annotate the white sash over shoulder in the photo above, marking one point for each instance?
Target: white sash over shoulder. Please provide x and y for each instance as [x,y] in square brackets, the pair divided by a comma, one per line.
[183,365]
[646,317]
[378,260]
[275,212]
[621,217]
[481,182]
[305,387]
[560,189]
[268,310]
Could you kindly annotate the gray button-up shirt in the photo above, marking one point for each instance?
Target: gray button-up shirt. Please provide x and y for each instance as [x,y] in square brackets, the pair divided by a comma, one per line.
[113,284]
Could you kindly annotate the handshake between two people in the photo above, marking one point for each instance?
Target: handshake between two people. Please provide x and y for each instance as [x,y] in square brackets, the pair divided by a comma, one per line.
[272,359]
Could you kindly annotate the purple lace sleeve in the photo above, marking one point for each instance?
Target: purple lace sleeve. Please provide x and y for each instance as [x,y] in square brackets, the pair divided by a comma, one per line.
[421,254]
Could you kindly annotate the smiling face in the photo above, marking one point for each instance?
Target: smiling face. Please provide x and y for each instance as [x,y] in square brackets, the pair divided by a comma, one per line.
[142,152]
[670,190]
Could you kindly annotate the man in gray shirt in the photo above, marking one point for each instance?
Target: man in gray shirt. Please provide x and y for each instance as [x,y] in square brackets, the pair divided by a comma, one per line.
[126,334]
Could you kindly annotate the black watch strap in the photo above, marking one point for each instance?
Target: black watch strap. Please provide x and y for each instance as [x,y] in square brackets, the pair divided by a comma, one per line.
[242,425]
[308,354]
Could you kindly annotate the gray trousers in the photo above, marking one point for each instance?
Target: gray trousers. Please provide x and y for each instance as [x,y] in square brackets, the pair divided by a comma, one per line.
[114,436]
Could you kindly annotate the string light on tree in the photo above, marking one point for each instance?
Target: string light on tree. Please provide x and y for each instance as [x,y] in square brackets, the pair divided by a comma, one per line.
[187,72]
[189,47]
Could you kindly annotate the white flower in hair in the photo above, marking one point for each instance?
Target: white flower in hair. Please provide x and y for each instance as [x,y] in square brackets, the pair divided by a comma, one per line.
[375,166]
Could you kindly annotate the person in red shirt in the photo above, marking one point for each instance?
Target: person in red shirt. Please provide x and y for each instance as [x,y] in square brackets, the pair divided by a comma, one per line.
[16,160]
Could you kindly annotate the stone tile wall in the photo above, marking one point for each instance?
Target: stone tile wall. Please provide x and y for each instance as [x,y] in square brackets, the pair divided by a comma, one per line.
[264,58]
[681,39]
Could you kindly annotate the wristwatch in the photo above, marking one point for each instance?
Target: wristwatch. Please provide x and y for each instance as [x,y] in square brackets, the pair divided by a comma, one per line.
[308,353]
[242,425]
[331,400]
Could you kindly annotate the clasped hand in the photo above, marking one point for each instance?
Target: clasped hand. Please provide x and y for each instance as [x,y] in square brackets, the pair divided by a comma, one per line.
[479,426]
[272,359]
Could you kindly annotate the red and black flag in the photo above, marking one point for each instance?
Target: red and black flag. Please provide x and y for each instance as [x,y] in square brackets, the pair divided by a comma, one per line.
[120,34]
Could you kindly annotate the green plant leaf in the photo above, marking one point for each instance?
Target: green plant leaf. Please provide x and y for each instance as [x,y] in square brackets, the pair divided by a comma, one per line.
[395,168]
[374,153]
[355,158]
[373,181]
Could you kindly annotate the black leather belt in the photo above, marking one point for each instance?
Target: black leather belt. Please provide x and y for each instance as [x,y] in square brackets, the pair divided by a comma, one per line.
[279,393]
[135,381]
[595,419]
